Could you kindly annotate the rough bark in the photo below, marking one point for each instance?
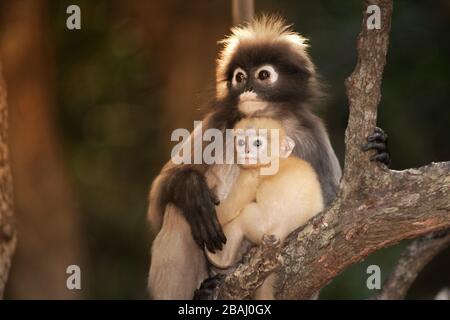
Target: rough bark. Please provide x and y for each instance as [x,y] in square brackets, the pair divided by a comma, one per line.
[46,211]
[375,207]
[256,266]
[7,224]
[412,260]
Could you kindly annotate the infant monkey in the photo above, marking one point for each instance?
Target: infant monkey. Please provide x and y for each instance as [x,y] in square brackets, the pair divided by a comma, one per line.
[272,202]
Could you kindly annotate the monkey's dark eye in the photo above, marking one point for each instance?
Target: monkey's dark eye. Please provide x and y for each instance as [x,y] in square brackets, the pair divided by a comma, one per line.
[266,74]
[263,75]
[257,143]
[240,77]
[241,142]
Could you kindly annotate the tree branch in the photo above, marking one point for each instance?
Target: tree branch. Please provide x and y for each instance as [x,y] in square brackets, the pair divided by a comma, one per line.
[412,260]
[257,264]
[375,207]
[7,225]
[243,11]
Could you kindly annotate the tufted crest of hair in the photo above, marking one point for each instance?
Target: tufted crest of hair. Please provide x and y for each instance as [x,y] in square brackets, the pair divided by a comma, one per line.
[264,30]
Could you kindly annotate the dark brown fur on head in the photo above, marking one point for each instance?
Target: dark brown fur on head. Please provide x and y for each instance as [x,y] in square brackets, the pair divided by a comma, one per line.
[268,41]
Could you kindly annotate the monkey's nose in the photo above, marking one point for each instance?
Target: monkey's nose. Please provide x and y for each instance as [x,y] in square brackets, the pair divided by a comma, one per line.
[250,89]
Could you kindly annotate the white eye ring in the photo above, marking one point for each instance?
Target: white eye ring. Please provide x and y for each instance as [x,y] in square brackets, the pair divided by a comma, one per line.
[266,74]
[235,81]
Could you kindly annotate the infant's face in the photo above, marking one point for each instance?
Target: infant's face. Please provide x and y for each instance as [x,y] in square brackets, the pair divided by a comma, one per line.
[254,148]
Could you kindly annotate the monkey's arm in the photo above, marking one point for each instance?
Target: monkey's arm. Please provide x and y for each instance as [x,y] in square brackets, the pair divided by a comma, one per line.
[186,188]
[229,212]
[242,193]
[227,257]
[283,203]
[252,224]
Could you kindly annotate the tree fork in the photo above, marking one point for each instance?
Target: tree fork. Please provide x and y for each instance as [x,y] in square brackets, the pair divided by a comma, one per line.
[375,207]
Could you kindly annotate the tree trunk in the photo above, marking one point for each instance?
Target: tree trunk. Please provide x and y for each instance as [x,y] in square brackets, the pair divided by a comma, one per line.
[375,207]
[412,260]
[7,223]
[47,217]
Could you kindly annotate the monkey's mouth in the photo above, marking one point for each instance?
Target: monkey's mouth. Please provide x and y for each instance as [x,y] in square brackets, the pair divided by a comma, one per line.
[248,160]
[248,96]
[249,103]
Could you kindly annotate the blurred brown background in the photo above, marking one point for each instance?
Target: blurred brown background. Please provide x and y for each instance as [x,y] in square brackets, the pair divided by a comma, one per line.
[91,113]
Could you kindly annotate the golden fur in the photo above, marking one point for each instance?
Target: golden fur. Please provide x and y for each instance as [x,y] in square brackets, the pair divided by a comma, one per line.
[273,204]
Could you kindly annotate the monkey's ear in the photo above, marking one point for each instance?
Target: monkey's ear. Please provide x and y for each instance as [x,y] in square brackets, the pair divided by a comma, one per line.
[286,147]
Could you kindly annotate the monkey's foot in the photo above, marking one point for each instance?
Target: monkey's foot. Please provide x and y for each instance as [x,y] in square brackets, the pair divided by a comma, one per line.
[209,288]
[378,141]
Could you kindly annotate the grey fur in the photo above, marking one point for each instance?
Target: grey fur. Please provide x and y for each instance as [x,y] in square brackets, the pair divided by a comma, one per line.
[178,265]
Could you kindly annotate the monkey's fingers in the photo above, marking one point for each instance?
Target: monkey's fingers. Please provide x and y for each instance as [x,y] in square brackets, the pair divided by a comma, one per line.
[203,205]
[215,225]
[204,235]
[217,237]
[214,198]
[208,288]
[382,157]
[213,229]
[196,234]
[219,229]
[213,282]
[379,146]
[378,141]
[378,135]
[195,230]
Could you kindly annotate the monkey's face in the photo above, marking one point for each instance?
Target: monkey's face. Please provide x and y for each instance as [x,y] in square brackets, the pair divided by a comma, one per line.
[253,148]
[260,143]
[270,73]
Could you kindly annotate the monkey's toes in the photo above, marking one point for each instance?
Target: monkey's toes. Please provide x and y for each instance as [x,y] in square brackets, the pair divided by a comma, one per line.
[378,141]
[209,288]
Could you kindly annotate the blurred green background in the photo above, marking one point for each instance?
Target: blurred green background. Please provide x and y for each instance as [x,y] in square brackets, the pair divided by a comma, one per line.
[112,92]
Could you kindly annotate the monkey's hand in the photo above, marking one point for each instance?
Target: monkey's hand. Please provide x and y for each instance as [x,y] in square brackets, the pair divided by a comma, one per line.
[188,190]
[378,141]
[208,288]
